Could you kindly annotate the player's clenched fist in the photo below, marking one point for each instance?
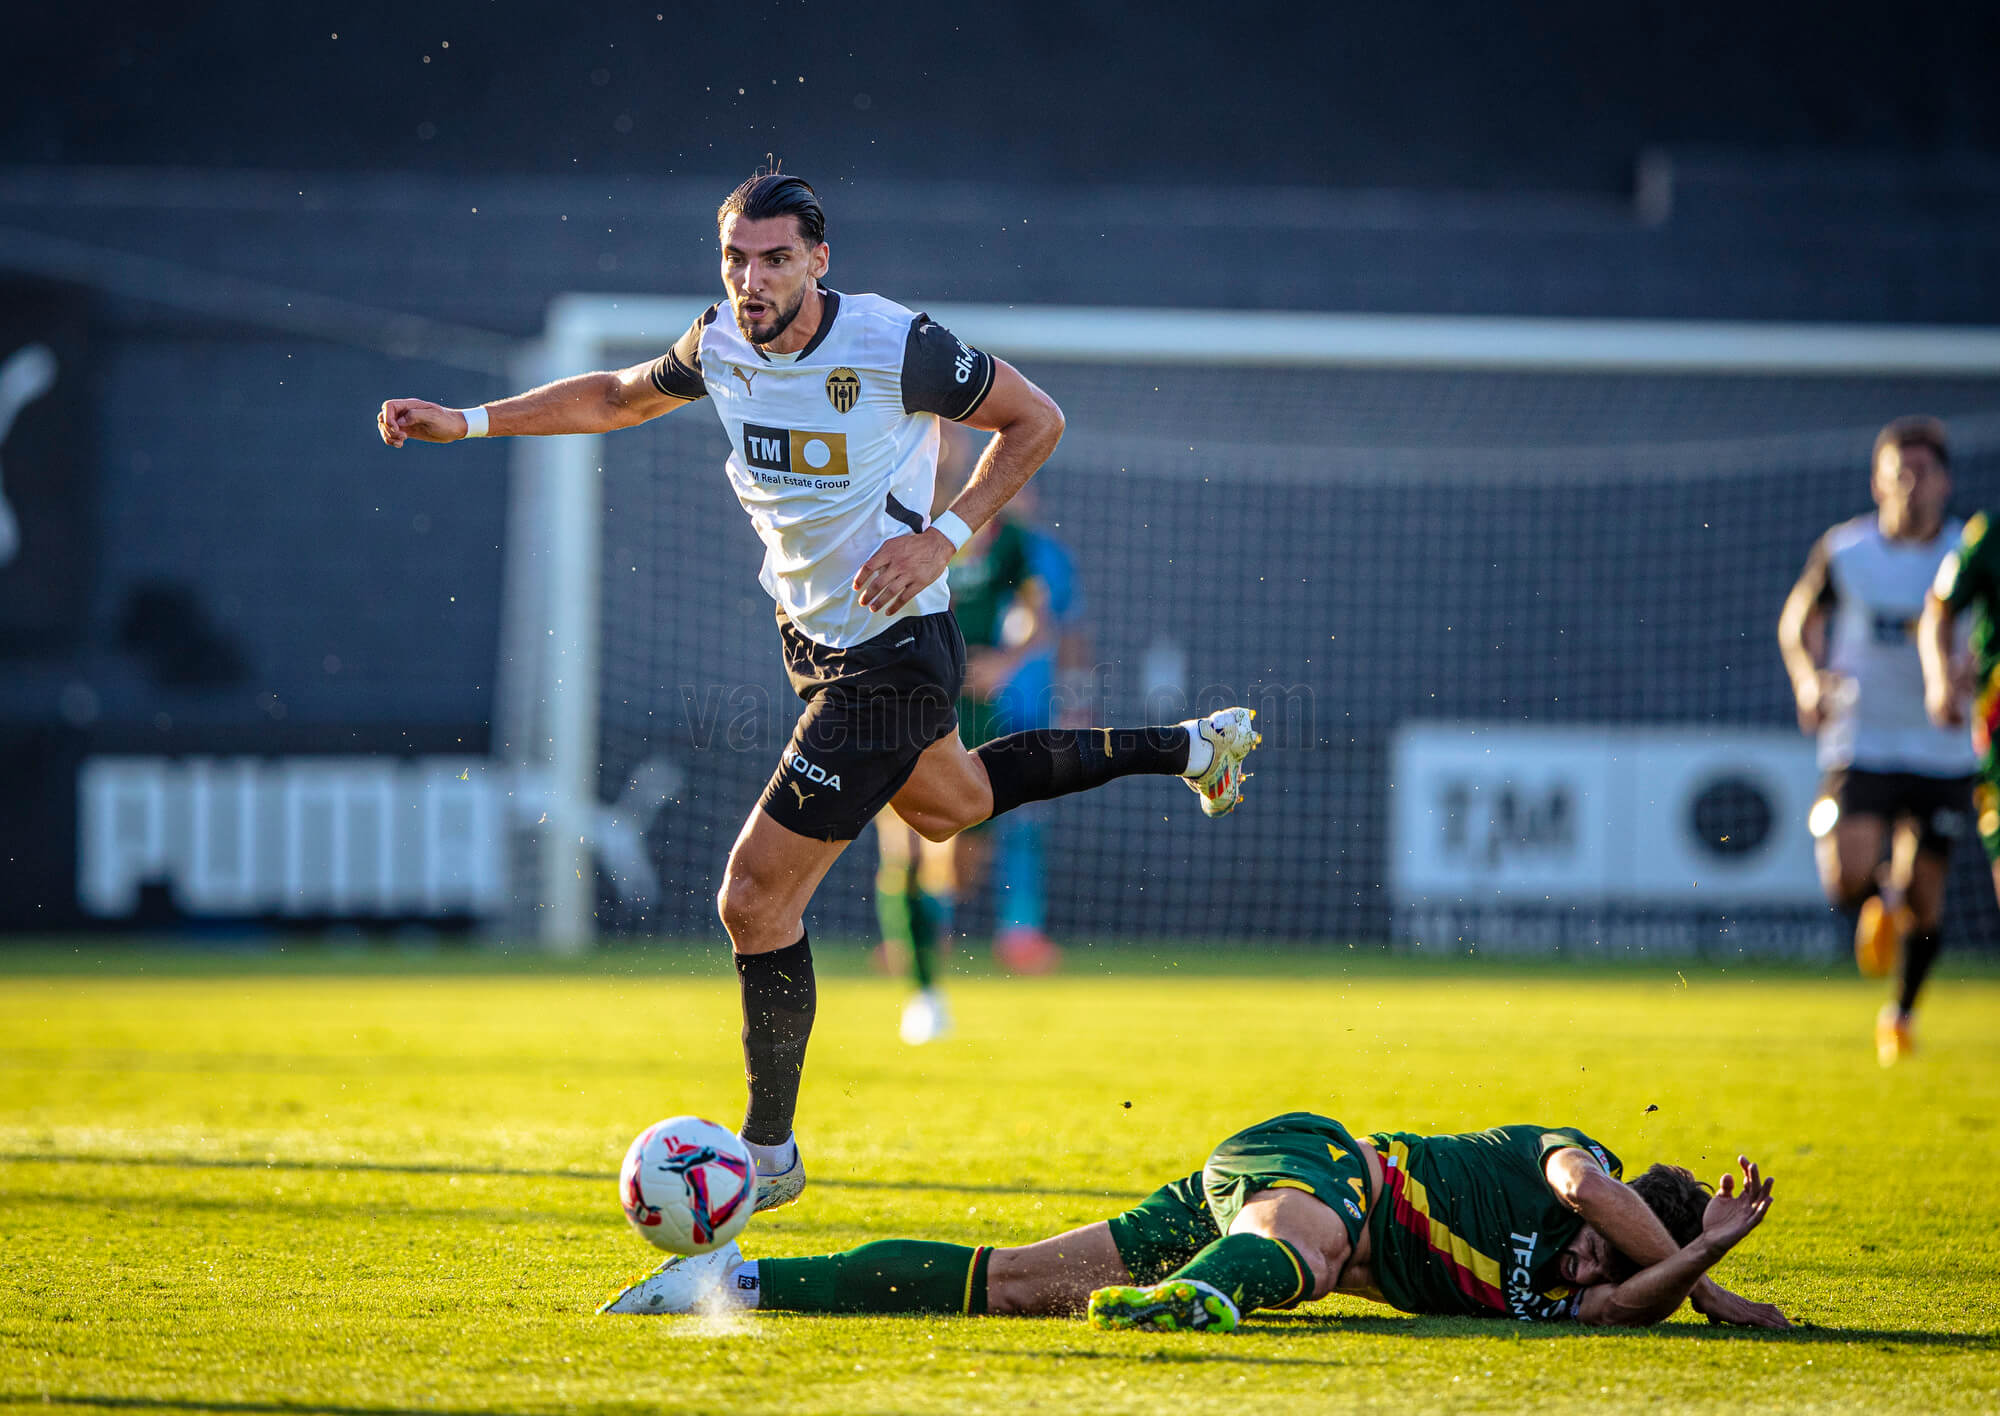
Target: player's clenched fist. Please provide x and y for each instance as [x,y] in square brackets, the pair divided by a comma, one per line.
[404,418]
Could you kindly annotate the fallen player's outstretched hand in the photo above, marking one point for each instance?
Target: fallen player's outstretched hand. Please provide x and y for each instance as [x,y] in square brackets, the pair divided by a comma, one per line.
[1719,1305]
[1732,1214]
[1728,1218]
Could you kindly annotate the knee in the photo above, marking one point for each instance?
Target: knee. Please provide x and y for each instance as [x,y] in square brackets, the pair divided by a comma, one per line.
[939,829]
[1848,883]
[743,904]
[1013,1289]
[1305,1223]
[940,824]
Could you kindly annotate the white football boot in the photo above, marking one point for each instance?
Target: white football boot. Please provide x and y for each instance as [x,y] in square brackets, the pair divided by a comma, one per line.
[777,1191]
[925,1018]
[685,1283]
[1233,736]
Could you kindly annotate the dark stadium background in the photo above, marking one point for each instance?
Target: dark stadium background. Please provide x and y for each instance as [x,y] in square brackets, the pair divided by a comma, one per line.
[244,570]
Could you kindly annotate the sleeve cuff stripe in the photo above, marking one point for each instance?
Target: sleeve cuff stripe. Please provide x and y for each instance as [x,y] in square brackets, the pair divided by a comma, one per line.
[979,397]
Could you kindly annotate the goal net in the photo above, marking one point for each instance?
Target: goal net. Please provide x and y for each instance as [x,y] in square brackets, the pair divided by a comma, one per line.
[1504,593]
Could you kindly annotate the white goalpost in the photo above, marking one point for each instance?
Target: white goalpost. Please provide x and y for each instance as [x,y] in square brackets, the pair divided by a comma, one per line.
[1291,416]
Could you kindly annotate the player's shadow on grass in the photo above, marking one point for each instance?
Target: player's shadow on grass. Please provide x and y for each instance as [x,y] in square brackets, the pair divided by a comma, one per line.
[1200,1351]
[498,1172]
[249,1408]
[303,1205]
[1307,1325]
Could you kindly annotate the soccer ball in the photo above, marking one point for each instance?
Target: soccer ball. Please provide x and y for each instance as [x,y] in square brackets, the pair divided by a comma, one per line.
[688,1185]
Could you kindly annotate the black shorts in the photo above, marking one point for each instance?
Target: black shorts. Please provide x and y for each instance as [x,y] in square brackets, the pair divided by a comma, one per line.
[1941,806]
[871,710]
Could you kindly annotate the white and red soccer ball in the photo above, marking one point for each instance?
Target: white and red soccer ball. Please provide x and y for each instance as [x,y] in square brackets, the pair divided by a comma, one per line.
[688,1185]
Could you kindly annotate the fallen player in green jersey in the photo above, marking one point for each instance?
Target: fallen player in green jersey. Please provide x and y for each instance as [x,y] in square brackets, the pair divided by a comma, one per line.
[1527,1222]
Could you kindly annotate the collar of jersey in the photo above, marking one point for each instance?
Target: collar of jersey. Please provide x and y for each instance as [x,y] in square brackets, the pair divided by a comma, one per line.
[832,298]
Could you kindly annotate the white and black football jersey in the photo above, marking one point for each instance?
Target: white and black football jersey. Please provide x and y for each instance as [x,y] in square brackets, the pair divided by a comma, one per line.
[1873,591]
[833,450]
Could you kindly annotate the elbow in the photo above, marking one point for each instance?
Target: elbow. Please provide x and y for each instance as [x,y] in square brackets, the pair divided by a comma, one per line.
[1052,422]
[1634,1318]
[619,412]
[1582,1187]
[624,405]
[1626,1315]
[1647,1317]
[1800,608]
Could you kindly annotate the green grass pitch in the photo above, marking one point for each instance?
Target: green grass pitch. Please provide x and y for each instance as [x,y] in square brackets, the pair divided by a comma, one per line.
[366,1184]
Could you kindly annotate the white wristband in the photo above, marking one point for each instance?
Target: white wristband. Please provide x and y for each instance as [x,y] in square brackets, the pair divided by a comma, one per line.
[475,421]
[954,528]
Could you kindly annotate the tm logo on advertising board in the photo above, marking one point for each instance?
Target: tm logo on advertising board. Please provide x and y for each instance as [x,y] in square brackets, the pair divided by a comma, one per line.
[1507,820]
[1559,816]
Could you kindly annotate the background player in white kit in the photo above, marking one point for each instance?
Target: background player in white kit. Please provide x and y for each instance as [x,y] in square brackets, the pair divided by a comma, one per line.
[830,403]
[1894,780]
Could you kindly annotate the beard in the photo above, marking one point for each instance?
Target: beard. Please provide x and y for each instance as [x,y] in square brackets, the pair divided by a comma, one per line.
[779,322]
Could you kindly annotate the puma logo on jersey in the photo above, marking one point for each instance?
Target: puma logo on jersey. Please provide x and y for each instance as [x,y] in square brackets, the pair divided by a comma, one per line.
[811,771]
[748,375]
[803,796]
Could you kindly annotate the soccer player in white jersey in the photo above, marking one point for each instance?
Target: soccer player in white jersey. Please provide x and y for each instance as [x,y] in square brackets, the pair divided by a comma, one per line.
[831,405]
[1895,782]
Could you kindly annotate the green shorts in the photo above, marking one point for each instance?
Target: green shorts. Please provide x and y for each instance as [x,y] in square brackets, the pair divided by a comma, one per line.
[1297,1151]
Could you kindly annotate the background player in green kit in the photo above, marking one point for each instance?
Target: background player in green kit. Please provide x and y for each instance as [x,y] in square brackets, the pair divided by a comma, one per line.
[1002,610]
[1968,579]
[1526,1222]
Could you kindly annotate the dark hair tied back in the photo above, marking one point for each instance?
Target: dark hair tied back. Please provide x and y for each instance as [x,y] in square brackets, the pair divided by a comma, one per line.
[767,193]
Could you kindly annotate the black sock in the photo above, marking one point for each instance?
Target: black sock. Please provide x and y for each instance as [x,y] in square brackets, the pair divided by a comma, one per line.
[778,1001]
[925,920]
[1053,762]
[1920,951]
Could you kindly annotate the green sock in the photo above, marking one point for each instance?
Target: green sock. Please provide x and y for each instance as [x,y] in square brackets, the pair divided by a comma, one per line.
[896,908]
[887,1276]
[1254,1271]
[930,916]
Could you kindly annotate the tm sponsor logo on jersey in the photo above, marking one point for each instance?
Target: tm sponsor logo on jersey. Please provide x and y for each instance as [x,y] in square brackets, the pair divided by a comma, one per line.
[1896,626]
[797,459]
[812,771]
[1522,1300]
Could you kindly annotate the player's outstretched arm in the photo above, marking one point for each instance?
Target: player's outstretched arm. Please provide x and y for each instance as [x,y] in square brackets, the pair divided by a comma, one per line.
[1616,1211]
[583,403]
[1652,1294]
